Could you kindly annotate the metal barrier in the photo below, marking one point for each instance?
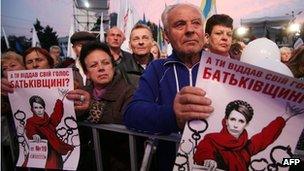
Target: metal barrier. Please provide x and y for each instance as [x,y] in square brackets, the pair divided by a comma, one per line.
[149,149]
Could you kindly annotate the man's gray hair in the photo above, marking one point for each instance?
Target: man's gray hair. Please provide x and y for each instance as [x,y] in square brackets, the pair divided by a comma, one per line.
[169,8]
[115,27]
[55,47]
[141,26]
[285,49]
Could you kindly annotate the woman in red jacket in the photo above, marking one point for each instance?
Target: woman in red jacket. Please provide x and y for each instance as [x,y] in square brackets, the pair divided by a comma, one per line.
[230,149]
[42,126]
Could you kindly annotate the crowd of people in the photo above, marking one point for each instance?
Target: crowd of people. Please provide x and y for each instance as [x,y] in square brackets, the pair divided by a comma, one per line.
[144,90]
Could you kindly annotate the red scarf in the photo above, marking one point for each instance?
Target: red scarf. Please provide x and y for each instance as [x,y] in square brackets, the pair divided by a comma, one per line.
[224,140]
[46,128]
[235,153]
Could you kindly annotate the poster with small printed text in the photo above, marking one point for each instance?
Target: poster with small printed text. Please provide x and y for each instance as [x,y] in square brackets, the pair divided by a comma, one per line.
[257,120]
[44,118]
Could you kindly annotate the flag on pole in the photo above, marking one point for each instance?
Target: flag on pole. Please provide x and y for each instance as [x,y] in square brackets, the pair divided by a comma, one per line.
[35,40]
[169,49]
[70,50]
[122,13]
[144,19]
[128,16]
[125,20]
[5,38]
[160,38]
[208,8]
[299,42]
[128,24]
[101,31]
[19,47]
[127,32]
[164,46]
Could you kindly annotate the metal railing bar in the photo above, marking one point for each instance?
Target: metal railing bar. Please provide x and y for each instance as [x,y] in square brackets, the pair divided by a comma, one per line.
[133,152]
[122,129]
[97,149]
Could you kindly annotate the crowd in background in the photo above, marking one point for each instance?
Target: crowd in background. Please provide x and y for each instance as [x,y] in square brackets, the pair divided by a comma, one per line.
[106,77]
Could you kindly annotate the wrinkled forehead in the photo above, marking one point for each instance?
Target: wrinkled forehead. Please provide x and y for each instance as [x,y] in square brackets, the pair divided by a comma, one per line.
[8,61]
[97,54]
[34,54]
[55,50]
[184,11]
[115,31]
[141,32]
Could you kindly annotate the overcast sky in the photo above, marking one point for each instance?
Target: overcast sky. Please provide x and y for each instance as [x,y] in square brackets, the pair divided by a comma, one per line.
[17,16]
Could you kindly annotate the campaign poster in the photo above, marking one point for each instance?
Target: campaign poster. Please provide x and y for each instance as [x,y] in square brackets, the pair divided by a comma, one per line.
[256,124]
[45,119]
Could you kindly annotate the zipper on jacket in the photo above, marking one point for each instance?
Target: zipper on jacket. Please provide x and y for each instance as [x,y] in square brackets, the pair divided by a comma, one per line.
[190,76]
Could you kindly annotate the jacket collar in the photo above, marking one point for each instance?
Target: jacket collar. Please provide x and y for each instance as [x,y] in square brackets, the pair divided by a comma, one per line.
[112,90]
[173,59]
[150,58]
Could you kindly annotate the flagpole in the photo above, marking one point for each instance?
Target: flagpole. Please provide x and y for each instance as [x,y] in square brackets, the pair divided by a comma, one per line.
[70,51]
[126,26]
[208,8]
[101,31]
[5,38]
[35,39]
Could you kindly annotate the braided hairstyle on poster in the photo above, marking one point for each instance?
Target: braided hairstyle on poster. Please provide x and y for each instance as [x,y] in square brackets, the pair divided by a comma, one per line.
[241,106]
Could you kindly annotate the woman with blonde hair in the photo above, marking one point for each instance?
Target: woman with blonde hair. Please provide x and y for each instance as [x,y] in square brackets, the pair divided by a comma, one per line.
[11,61]
[155,50]
[286,54]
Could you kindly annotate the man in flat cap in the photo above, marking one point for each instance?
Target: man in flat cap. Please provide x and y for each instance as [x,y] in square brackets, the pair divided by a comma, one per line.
[78,39]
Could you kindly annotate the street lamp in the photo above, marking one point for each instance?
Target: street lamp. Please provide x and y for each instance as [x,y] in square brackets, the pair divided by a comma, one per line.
[294,28]
[241,31]
[86,4]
